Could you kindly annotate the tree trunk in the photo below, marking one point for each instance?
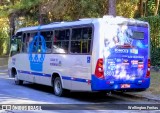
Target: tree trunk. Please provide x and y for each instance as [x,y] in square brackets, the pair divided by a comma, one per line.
[12,24]
[145,9]
[157,6]
[1,2]
[40,16]
[12,21]
[112,7]
[141,8]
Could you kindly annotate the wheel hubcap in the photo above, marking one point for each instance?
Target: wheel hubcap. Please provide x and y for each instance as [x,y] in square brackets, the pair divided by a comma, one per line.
[57,87]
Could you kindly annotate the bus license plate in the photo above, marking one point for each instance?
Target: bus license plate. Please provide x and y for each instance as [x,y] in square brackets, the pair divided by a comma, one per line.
[125,85]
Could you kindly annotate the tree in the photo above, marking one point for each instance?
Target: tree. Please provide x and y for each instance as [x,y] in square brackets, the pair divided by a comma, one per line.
[145,8]
[129,9]
[141,8]
[14,9]
[112,7]
[157,6]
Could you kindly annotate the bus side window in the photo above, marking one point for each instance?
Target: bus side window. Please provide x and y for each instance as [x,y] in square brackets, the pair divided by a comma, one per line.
[86,37]
[29,40]
[76,40]
[61,41]
[23,43]
[38,45]
[48,40]
[81,40]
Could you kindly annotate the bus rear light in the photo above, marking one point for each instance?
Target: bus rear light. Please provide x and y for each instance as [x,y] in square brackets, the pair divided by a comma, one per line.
[148,70]
[149,63]
[148,74]
[99,71]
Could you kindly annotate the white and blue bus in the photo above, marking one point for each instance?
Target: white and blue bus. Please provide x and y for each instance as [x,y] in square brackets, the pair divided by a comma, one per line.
[91,54]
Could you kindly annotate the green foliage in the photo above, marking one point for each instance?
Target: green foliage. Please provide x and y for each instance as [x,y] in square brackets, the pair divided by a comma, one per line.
[73,9]
[127,8]
[155,57]
[4,36]
[151,6]
[154,22]
[19,6]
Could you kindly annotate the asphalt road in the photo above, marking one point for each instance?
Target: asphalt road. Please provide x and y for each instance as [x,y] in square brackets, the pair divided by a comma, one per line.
[40,94]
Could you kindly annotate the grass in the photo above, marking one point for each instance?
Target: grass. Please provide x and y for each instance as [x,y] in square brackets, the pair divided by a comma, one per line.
[155,83]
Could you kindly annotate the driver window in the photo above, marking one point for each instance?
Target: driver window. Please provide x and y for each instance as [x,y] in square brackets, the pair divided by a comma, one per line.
[16,44]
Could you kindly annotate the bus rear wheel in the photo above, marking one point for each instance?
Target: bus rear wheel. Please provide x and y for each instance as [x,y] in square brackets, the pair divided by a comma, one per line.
[57,85]
[17,81]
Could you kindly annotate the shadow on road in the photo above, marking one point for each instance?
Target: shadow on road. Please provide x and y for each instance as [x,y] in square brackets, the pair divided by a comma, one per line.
[81,96]
[37,92]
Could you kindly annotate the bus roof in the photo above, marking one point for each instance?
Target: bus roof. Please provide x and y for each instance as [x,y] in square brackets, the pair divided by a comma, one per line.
[57,24]
[85,21]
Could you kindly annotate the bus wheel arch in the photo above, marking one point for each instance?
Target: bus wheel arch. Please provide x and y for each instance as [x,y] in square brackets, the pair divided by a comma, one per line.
[13,72]
[14,75]
[57,85]
[54,75]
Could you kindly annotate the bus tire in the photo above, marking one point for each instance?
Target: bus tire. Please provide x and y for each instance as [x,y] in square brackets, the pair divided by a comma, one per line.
[57,86]
[17,81]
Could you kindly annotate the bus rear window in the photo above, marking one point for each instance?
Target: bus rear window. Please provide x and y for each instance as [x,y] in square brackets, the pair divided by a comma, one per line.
[138,35]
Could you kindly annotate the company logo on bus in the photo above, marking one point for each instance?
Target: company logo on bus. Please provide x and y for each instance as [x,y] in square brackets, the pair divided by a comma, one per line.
[121,51]
[140,64]
[134,51]
[36,61]
[125,62]
[134,61]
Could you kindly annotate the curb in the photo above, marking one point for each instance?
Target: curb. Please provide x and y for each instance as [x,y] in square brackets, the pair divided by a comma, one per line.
[135,96]
[147,98]
[4,66]
[4,71]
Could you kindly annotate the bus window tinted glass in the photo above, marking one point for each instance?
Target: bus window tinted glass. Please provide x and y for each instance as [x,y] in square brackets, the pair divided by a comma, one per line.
[61,41]
[81,40]
[38,45]
[47,35]
[29,39]
[138,35]
[23,43]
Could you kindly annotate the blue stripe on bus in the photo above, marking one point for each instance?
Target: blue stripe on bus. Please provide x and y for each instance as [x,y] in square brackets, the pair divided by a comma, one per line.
[66,78]
[80,80]
[74,79]
[35,73]
[49,75]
